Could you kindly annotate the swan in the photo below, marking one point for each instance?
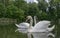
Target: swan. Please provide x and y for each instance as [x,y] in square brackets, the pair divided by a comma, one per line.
[23,27]
[41,26]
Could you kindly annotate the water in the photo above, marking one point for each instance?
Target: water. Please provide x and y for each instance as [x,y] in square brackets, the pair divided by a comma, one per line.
[8,31]
[41,35]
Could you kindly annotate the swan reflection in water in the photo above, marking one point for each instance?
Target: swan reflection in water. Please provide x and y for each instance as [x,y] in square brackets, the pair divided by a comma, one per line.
[39,30]
[42,35]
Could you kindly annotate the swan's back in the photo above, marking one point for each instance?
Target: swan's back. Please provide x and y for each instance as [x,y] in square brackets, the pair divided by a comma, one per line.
[41,26]
[24,25]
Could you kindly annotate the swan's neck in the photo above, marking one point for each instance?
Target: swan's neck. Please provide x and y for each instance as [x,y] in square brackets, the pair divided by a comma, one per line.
[34,20]
[31,22]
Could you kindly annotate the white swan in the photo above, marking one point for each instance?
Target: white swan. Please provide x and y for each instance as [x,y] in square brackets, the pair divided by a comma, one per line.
[23,27]
[41,26]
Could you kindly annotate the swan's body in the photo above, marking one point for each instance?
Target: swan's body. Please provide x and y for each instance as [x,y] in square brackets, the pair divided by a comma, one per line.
[41,27]
[22,27]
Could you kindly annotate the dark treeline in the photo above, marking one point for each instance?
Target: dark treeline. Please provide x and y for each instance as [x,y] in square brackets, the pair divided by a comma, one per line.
[20,9]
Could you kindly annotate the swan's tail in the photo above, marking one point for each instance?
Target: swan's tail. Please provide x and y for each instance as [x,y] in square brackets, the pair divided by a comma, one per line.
[17,25]
[51,29]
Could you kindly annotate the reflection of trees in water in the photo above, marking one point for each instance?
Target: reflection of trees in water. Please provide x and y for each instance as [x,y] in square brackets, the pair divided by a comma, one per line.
[57,30]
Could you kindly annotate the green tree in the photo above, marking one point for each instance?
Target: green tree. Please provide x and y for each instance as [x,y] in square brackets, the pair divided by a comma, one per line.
[32,10]
[14,12]
[2,9]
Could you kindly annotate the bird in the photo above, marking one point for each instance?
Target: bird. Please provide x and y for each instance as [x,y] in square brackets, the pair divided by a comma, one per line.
[44,29]
[41,26]
[24,27]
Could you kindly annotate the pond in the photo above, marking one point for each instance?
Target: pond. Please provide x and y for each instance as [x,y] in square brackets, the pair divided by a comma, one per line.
[8,31]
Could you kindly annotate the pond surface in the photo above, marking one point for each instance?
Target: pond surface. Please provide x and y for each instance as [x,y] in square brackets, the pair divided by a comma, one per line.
[8,31]
[42,35]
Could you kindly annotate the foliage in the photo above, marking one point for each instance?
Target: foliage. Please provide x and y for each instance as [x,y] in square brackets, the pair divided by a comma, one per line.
[20,9]
[2,10]
[13,12]
[32,10]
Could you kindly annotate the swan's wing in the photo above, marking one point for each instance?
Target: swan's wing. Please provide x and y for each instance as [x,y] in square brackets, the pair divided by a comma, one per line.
[41,26]
[51,28]
[23,25]
[21,30]
[19,26]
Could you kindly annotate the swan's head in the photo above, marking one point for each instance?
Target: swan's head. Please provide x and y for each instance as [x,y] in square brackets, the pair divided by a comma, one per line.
[28,18]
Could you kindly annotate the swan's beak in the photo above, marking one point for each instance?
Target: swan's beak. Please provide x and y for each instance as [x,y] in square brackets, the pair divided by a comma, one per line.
[28,18]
